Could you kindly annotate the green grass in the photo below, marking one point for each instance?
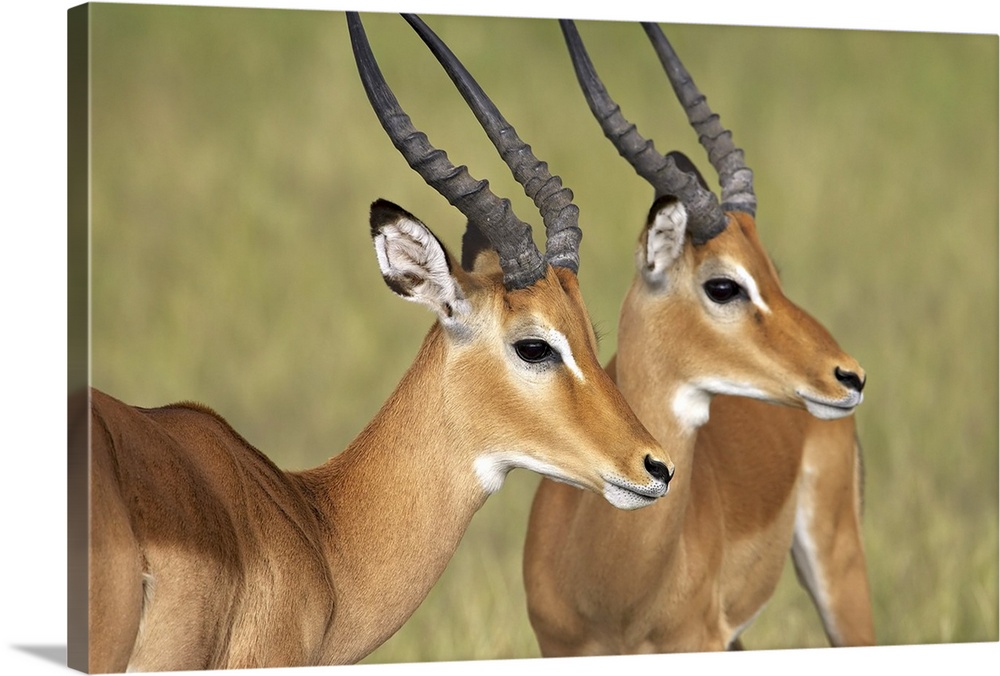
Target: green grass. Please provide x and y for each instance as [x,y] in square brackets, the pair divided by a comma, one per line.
[235,156]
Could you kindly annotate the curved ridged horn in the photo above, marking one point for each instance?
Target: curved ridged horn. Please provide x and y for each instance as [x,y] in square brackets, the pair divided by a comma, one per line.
[554,202]
[735,177]
[520,259]
[705,217]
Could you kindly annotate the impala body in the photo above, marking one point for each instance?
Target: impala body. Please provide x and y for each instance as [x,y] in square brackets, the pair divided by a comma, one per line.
[706,318]
[206,555]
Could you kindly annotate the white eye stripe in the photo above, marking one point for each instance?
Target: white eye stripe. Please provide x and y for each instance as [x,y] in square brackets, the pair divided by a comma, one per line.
[747,282]
[559,343]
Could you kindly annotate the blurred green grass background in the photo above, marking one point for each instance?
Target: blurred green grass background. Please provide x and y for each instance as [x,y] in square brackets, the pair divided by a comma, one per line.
[235,155]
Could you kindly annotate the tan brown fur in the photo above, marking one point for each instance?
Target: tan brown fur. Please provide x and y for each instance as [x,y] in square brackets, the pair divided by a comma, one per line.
[205,555]
[690,572]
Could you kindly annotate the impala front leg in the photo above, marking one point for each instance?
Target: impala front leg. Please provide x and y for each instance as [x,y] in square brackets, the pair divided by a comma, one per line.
[827,548]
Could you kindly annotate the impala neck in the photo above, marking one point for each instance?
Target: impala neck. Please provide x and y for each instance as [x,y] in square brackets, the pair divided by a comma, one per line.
[655,398]
[666,400]
[396,502]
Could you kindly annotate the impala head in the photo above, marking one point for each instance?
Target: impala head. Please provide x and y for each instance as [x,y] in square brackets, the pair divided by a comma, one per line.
[519,369]
[703,272]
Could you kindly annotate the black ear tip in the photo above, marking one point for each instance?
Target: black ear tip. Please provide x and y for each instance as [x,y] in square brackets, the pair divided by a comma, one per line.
[384,212]
[658,204]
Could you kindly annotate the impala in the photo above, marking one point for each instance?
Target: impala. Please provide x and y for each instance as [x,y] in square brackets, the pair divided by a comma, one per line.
[706,316]
[205,555]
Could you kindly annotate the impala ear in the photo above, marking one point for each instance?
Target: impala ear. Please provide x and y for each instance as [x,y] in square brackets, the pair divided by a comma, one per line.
[478,254]
[414,263]
[474,242]
[662,241]
[685,164]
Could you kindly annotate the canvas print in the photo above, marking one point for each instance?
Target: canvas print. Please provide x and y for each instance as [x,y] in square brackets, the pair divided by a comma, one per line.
[438,338]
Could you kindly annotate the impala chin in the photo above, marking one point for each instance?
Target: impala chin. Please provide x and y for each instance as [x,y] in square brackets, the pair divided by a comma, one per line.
[831,409]
[492,468]
[692,401]
[624,494]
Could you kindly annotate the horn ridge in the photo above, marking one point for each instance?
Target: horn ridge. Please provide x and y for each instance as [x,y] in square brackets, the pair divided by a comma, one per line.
[738,193]
[705,217]
[520,260]
[554,201]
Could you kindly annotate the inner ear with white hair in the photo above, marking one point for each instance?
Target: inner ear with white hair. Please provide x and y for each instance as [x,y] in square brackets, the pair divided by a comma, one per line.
[414,263]
[662,241]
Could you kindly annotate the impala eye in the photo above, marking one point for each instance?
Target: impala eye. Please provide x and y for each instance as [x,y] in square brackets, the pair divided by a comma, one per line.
[722,290]
[533,350]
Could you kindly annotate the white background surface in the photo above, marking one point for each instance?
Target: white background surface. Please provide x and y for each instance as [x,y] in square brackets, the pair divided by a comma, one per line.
[33,276]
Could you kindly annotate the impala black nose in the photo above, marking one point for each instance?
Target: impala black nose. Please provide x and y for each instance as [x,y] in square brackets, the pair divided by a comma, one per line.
[658,470]
[849,379]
